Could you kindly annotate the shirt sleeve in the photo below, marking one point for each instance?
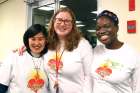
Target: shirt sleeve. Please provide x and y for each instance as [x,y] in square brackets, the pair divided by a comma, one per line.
[6,69]
[87,56]
[136,76]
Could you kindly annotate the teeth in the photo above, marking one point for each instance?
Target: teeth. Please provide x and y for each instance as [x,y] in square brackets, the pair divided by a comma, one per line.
[36,47]
[104,37]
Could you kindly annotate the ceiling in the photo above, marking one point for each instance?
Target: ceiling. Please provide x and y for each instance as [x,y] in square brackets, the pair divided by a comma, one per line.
[85,11]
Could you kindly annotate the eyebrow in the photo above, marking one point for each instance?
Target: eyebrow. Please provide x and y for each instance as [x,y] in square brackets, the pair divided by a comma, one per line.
[62,18]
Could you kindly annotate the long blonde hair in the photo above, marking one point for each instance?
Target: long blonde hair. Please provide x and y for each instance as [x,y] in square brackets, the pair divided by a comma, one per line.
[73,38]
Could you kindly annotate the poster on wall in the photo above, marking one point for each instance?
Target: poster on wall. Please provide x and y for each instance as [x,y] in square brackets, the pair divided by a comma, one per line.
[131,26]
[131,5]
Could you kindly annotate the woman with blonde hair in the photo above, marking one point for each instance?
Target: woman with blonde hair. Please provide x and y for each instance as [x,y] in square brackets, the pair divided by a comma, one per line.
[69,56]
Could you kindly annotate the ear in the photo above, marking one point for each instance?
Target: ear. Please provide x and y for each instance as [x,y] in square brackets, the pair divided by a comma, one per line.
[117,28]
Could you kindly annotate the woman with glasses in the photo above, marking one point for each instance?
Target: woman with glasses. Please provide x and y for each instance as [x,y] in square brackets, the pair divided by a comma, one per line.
[115,66]
[69,57]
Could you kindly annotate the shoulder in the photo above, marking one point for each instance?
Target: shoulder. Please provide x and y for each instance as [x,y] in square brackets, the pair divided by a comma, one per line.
[129,52]
[11,55]
[14,56]
[133,54]
[99,49]
[84,42]
[84,46]
[129,49]
[9,60]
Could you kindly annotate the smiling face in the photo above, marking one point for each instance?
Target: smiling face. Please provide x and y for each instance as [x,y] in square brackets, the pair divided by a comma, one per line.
[37,43]
[63,24]
[106,31]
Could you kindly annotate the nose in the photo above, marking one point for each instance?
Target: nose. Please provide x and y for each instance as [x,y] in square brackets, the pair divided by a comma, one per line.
[37,42]
[63,23]
[101,32]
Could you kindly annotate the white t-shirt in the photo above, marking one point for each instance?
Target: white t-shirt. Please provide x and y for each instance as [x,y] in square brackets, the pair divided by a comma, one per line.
[20,75]
[74,69]
[115,71]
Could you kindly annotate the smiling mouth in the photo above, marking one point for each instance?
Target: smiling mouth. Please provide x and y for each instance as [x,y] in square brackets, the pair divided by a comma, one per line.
[36,47]
[104,37]
[64,29]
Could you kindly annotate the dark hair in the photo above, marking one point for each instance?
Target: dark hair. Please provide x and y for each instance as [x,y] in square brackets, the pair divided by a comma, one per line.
[72,40]
[112,16]
[32,31]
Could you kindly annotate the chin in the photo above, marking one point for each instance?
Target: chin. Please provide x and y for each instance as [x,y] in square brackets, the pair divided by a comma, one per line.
[37,51]
[105,43]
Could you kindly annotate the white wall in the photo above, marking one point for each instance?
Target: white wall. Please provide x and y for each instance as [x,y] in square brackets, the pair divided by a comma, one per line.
[120,7]
[12,25]
[13,22]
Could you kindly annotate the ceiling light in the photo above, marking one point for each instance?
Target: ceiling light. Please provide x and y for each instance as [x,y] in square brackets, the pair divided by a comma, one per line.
[49,7]
[91,30]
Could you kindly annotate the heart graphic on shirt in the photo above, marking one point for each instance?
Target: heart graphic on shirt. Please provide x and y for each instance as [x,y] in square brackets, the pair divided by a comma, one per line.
[52,64]
[35,84]
[103,71]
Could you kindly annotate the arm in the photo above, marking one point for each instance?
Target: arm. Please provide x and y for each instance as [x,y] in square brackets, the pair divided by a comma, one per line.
[5,73]
[20,50]
[136,77]
[87,55]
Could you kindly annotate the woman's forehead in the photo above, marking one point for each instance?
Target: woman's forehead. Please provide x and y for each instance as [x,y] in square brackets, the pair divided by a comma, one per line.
[64,15]
[103,20]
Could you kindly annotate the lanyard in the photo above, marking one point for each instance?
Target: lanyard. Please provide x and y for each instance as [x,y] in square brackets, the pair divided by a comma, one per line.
[58,62]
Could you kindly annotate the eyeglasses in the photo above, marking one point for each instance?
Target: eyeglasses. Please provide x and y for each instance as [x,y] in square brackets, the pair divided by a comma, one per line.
[60,20]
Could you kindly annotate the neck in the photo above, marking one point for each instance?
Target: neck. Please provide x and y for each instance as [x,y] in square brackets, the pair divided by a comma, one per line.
[61,43]
[35,55]
[115,45]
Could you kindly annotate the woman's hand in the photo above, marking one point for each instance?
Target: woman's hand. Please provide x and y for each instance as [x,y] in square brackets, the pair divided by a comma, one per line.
[20,50]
